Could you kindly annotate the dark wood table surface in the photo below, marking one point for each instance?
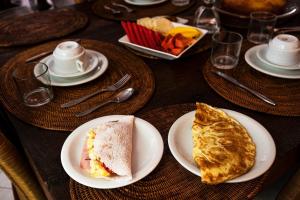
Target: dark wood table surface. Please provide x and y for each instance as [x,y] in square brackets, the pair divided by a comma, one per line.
[179,81]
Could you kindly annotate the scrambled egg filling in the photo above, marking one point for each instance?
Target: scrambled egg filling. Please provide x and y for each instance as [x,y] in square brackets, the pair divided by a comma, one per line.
[98,168]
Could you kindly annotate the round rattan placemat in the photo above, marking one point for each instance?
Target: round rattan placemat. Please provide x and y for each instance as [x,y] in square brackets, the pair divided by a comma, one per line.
[52,116]
[166,8]
[40,26]
[170,180]
[285,92]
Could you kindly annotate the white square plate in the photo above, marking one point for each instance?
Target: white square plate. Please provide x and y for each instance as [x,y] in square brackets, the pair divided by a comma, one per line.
[161,54]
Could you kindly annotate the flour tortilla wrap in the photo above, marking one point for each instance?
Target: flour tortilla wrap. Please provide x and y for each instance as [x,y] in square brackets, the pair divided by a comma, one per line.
[113,145]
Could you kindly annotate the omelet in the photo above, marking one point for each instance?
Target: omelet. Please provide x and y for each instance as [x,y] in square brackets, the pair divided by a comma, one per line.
[222,147]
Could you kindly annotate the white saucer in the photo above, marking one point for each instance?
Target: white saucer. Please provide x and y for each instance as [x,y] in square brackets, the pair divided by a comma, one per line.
[65,82]
[144,3]
[252,59]
[92,64]
[261,54]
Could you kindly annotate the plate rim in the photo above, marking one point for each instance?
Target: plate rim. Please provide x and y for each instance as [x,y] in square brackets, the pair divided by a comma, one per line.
[161,54]
[144,3]
[229,112]
[252,51]
[115,183]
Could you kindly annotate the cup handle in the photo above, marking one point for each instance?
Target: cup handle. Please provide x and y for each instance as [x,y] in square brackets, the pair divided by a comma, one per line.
[79,65]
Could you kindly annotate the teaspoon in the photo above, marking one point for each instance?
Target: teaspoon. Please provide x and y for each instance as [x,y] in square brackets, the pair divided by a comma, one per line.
[120,97]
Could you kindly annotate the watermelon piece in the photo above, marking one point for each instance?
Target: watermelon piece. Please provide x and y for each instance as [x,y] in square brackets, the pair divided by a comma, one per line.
[149,38]
[124,25]
[137,34]
[143,36]
[131,33]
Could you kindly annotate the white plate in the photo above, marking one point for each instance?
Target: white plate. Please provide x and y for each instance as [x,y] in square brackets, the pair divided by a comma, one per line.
[146,153]
[181,144]
[98,71]
[261,54]
[92,64]
[144,3]
[124,40]
[252,59]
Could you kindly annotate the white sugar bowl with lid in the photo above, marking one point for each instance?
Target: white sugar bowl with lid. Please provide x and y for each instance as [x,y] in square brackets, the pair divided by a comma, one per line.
[69,57]
[284,50]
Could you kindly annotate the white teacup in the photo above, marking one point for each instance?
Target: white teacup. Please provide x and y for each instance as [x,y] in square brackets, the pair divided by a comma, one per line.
[284,50]
[69,57]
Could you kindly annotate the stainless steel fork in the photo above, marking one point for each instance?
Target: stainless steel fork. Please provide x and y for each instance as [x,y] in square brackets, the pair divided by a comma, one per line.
[110,88]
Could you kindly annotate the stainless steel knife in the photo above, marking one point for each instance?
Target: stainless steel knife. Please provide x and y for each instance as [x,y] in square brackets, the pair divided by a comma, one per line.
[255,93]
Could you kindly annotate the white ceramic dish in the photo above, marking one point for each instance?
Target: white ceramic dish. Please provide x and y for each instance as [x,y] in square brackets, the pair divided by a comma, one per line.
[144,3]
[66,82]
[252,59]
[261,54]
[146,154]
[124,40]
[92,62]
[181,144]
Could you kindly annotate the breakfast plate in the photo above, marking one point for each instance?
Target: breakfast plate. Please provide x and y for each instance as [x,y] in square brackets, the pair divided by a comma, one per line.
[261,54]
[181,144]
[146,153]
[160,54]
[144,2]
[92,62]
[254,62]
[93,74]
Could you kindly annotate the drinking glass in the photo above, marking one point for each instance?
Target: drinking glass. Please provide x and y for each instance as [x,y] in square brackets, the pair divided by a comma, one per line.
[207,18]
[226,47]
[261,27]
[33,83]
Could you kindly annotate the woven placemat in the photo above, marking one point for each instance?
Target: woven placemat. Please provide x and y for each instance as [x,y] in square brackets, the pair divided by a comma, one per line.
[165,8]
[170,180]
[285,92]
[52,116]
[40,26]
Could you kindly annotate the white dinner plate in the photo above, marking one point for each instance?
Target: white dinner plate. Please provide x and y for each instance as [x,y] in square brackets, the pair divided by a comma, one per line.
[147,151]
[65,82]
[124,40]
[261,54]
[92,63]
[181,144]
[144,3]
[252,59]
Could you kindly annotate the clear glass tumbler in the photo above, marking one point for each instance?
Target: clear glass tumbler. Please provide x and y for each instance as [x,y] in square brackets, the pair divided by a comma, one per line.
[226,47]
[261,27]
[33,83]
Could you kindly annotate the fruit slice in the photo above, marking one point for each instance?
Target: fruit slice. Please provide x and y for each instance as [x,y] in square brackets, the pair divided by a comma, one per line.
[188,32]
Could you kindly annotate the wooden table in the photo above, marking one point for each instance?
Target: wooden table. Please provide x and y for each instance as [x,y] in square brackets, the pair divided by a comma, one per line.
[178,81]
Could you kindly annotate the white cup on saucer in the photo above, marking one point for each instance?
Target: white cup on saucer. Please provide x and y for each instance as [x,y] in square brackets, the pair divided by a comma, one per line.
[284,49]
[69,57]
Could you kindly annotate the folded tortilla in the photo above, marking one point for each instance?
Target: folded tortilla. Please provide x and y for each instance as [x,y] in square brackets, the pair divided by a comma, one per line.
[107,150]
